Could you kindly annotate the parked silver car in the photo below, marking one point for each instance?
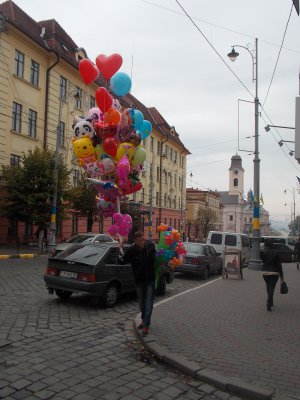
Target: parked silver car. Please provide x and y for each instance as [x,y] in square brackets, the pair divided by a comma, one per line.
[86,238]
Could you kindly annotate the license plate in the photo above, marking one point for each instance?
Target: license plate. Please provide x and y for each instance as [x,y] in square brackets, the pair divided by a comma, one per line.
[68,274]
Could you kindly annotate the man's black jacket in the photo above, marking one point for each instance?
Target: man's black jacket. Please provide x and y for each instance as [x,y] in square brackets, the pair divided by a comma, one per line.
[142,261]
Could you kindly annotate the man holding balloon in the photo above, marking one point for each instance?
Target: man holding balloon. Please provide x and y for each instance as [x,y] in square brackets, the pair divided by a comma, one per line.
[141,255]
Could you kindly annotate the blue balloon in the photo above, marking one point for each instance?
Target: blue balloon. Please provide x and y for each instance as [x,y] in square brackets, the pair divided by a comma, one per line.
[138,119]
[120,84]
[145,129]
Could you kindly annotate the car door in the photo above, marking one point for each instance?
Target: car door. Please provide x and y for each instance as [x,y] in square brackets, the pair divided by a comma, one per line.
[215,260]
[123,273]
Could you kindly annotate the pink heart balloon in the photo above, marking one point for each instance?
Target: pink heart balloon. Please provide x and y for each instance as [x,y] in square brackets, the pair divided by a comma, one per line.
[117,218]
[109,65]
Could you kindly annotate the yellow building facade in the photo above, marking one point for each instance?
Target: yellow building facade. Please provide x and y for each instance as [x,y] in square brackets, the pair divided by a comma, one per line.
[38,79]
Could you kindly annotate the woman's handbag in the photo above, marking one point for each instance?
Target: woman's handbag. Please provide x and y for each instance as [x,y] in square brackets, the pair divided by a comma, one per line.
[284,288]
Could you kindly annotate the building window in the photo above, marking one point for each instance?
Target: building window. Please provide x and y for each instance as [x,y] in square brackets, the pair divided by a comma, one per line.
[151,143]
[157,222]
[158,147]
[92,102]
[62,88]
[170,205]
[175,157]
[19,63]
[165,199]
[158,174]
[75,177]
[32,122]
[230,217]
[74,224]
[14,159]
[28,229]
[78,100]
[16,117]
[143,195]
[34,73]
[171,154]
[61,133]
[235,182]
[174,224]
[165,221]
[157,198]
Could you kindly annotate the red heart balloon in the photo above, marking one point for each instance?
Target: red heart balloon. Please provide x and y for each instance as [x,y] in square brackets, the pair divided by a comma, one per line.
[109,65]
[88,71]
[103,99]
[110,146]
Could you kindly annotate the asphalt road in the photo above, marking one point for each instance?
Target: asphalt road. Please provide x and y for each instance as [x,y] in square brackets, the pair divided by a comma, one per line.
[56,349]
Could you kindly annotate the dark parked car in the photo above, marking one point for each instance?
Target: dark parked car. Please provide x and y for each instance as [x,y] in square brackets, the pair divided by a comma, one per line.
[285,253]
[95,270]
[84,238]
[201,259]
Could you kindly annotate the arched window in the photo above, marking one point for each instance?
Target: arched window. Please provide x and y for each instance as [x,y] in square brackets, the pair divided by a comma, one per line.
[235,182]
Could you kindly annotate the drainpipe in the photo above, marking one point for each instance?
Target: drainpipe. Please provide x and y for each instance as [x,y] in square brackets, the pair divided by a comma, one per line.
[47,96]
[160,178]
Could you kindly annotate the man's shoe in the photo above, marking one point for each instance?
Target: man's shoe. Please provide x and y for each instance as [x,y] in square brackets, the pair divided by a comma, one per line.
[145,331]
[141,325]
[269,308]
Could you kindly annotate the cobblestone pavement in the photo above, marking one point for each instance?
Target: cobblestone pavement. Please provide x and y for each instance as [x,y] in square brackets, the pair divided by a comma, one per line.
[55,349]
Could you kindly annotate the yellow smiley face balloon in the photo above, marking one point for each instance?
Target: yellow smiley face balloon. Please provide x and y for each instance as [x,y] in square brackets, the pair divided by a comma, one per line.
[127,149]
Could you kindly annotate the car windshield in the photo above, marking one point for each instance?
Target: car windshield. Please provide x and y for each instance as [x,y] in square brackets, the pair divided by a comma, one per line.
[194,248]
[79,238]
[89,255]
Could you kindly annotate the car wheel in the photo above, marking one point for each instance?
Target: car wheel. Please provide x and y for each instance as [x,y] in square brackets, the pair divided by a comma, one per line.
[205,273]
[111,295]
[162,286]
[63,294]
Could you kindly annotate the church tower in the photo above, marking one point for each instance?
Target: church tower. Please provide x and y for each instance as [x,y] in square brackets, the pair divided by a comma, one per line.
[236,176]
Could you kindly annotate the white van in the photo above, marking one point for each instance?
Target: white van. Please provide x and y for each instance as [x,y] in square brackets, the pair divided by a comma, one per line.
[228,240]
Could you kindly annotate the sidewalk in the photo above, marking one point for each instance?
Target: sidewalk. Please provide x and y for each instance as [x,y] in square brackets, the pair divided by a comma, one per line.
[20,252]
[221,333]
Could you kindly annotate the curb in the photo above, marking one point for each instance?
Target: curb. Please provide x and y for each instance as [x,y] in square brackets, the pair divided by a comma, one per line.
[24,255]
[223,382]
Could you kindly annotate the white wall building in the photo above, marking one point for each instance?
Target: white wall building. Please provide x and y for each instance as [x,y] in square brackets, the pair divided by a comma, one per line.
[238,211]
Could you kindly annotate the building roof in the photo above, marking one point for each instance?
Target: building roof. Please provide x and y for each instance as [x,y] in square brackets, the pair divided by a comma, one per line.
[228,199]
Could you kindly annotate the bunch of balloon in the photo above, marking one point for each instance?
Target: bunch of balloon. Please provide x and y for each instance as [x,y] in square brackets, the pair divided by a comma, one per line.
[107,141]
[170,250]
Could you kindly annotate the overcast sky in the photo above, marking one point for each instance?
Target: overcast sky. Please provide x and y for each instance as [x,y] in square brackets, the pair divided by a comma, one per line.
[175,69]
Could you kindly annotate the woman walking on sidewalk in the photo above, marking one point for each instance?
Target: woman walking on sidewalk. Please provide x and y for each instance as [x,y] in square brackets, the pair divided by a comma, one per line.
[271,270]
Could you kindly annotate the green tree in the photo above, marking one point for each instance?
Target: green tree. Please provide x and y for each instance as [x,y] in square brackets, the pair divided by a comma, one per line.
[27,189]
[206,218]
[83,199]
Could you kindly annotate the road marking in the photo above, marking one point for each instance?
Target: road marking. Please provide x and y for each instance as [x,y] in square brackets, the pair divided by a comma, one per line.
[187,291]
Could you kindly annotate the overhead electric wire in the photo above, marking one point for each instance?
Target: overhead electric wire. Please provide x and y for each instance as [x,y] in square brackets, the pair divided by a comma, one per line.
[287,24]
[214,49]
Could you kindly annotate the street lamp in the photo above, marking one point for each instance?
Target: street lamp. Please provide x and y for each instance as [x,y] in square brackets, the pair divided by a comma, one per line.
[255,261]
[52,242]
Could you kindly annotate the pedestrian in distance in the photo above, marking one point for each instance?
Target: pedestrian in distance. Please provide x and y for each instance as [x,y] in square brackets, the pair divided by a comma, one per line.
[141,255]
[271,270]
[297,253]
